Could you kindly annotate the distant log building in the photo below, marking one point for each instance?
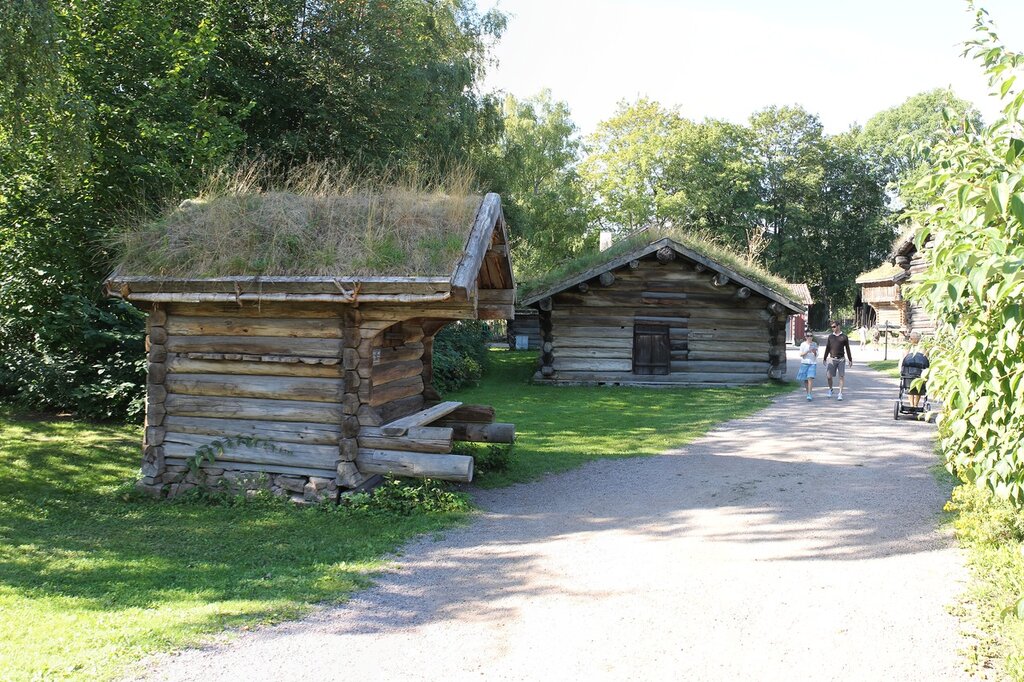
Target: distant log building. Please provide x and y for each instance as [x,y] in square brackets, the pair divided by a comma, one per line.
[313,384]
[883,302]
[661,314]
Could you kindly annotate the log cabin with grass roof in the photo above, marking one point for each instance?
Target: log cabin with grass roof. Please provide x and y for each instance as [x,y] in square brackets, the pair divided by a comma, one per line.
[310,374]
[883,298]
[662,311]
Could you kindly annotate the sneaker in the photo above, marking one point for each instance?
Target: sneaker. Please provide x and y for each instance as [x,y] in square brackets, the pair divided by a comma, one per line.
[809,397]
[830,393]
[840,397]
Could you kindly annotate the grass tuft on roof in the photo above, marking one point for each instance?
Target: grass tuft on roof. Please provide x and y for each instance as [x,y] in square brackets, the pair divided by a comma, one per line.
[701,242]
[315,219]
[884,272]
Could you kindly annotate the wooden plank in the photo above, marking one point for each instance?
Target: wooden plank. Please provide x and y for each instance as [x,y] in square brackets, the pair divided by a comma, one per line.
[747,356]
[678,380]
[416,464]
[396,390]
[322,328]
[259,310]
[255,345]
[479,241]
[624,352]
[247,284]
[416,439]
[182,364]
[595,332]
[396,409]
[395,371]
[268,468]
[728,366]
[565,342]
[284,432]
[246,386]
[253,408]
[482,414]
[497,432]
[409,351]
[284,454]
[592,364]
[399,427]
[497,296]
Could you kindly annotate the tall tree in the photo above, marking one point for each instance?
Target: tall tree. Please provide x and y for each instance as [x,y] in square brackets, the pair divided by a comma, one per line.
[899,138]
[629,155]
[533,165]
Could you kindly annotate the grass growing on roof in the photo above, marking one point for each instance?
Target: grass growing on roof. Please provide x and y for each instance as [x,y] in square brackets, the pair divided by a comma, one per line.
[561,427]
[703,243]
[313,219]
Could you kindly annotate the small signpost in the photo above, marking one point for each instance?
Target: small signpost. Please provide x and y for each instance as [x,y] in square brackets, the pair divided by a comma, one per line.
[885,328]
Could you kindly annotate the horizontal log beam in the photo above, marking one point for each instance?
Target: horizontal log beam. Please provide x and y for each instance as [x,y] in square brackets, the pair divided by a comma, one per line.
[284,454]
[497,432]
[399,427]
[416,464]
[182,364]
[246,386]
[255,345]
[284,432]
[253,408]
[323,328]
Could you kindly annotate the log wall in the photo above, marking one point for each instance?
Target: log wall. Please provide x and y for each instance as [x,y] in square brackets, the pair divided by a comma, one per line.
[916,317]
[717,333]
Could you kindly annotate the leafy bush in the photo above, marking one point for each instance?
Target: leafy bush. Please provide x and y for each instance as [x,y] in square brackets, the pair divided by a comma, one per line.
[406,497]
[974,285]
[487,457]
[460,355]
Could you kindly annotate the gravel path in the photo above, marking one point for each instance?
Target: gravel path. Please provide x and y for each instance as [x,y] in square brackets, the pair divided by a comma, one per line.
[798,544]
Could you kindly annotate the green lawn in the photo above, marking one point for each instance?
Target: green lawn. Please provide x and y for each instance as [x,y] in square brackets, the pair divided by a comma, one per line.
[561,427]
[888,367]
[91,581]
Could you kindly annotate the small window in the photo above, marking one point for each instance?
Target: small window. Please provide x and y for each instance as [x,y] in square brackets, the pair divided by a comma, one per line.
[651,349]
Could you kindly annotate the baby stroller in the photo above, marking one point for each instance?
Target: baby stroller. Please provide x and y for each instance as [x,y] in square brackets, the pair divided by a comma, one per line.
[912,367]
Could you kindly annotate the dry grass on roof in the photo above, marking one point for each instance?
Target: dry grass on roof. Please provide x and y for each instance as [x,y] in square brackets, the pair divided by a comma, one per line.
[699,241]
[312,220]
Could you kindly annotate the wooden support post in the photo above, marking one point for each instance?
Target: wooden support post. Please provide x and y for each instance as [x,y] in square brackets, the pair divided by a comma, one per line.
[348,475]
[666,255]
[153,465]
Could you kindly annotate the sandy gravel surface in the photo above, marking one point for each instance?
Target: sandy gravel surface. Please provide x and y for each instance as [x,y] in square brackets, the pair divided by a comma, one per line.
[798,544]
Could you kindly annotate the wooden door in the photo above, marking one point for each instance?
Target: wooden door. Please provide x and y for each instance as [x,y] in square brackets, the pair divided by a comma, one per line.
[651,349]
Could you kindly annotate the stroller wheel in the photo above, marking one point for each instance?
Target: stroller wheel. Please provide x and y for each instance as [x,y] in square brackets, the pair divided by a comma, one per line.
[896,410]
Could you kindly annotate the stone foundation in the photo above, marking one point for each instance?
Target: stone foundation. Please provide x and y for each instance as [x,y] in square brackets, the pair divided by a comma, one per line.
[299,489]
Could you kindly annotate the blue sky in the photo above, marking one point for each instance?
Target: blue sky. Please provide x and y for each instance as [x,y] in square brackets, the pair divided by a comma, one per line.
[844,61]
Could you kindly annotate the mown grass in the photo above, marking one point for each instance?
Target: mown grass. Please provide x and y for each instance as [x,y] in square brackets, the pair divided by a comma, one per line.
[889,368]
[992,532]
[561,427]
[91,581]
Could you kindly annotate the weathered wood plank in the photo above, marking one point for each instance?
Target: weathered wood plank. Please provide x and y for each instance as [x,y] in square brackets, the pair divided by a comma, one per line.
[483,414]
[591,364]
[396,390]
[284,432]
[255,345]
[268,468]
[247,386]
[396,409]
[182,364]
[727,366]
[264,310]
[416,439]
[253,408]
[408,351]
[394,371]
[416,464]
[399,427]
[322,328]
[285,454]
[624,352]
[497,432]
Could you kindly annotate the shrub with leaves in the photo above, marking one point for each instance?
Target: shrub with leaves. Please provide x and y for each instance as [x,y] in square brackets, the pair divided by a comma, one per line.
[460,355]
[405,497]
[974,284]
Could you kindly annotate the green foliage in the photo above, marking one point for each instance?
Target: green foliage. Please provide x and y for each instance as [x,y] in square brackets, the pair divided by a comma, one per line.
[460,355]
[974,284]
[405,497]
[215,449]
[533,166]
[992,531]
[109,110]
[487,457]
[900,138]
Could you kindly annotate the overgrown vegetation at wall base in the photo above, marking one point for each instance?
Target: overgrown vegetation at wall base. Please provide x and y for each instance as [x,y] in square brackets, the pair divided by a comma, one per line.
[974,284]
[992,530]
[93,578]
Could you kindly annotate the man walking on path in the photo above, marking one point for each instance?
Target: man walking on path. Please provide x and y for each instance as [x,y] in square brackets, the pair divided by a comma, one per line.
[835,346]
